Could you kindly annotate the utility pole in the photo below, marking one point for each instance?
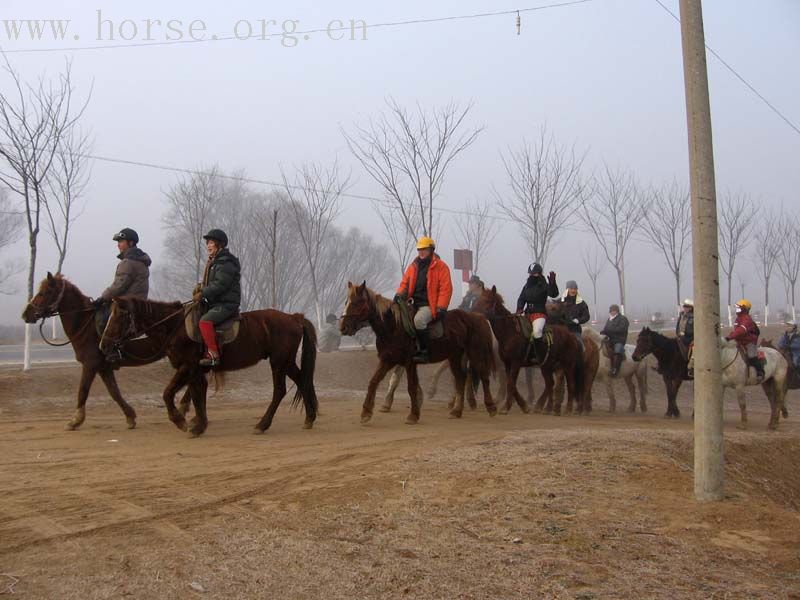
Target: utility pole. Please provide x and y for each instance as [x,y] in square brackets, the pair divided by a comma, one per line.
[709,462]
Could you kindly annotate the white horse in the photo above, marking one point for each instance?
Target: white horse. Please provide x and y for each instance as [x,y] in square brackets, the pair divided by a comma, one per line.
[736,374]
[629,370]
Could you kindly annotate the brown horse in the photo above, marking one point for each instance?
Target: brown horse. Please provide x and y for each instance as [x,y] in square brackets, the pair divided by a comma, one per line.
[59,297]
[563,355]
[464,334]
[671,363]
[263,334]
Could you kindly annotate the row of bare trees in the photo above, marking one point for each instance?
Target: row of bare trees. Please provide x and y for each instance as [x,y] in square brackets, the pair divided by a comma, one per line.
[294,256]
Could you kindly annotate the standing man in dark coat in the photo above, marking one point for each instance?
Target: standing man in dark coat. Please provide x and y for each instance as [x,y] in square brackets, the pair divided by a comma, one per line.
[616,330]
[532,301]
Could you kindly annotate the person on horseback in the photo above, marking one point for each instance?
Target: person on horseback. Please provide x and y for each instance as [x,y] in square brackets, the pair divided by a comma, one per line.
[745,333]
[790,341]
[132,277]
[575,309]
[616,330]
[427,284]
[220,293]
[474,290]
[532,301]
[684,332]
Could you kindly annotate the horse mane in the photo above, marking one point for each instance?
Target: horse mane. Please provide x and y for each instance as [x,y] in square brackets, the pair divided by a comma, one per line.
[58,278]
[383,306]
[500,306]
[142,307]
[659,339]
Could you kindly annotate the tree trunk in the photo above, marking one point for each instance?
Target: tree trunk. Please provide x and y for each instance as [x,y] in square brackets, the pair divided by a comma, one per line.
[677,286]
[766,302]
[621,281]
[794,314]
[26,361]
[594,293]
[730,286]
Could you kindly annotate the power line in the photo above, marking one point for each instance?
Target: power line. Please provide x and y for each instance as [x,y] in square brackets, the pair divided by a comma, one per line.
[216,38]
[725,64]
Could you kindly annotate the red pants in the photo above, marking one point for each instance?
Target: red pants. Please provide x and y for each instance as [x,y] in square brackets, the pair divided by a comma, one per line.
[209,333]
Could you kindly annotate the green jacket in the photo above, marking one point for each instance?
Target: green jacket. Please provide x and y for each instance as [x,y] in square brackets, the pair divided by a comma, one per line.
[222,284]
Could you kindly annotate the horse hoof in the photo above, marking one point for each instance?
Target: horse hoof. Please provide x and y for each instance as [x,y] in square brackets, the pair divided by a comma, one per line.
[71,426]
[492,411]
[412,420]
[194,434]
[454,414]
[385,408]
[365,419]
[525,409]
[308,425]
[503,411]
[182,425]
[131,423]
[258,431]
[537,410]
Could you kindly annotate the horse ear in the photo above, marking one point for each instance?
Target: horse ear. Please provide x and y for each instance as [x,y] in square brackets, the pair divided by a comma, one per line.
[50,277]
[494,289]
[362,287]
[349,285]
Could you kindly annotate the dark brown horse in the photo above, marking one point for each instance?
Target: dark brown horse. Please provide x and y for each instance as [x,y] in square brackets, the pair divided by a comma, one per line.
[263,334]
[59,297]
[465,334]
[563,355]
[671,363]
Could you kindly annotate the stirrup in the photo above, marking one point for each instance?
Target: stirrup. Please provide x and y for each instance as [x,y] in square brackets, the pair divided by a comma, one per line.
[209,361]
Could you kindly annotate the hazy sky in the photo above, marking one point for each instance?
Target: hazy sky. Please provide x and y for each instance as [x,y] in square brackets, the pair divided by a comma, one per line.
[606,75]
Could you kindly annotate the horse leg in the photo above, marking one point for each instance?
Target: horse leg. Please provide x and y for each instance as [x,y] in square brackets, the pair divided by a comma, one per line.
[549,383]
[87,377]
[612,399]
[469,388]
[461,383]
[179,379]
[278,393]
[770,390]
[641,381]
[502,390]
[529,384]
[631,392]
[571,393]
[184,403]
[199,390]
[512,373]
[488,401]
[413,390]
[107,375]
[672,395]
[394,381]
[372,389]
[742,400]
[440,369]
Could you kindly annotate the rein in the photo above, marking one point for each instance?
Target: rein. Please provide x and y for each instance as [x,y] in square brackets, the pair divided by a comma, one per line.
[118,345]
[53,311]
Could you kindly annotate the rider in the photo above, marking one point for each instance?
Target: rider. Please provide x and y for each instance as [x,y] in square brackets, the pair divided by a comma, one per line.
[684,331]
[745,333]
[616,330]
[790,341]
[220,292]
[427,284]
[575,309]
[132,277]
[474,290]
[532,302]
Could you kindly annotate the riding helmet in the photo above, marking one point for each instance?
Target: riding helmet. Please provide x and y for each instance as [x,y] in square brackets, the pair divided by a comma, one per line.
[126,234]
[535,269]
[217,235]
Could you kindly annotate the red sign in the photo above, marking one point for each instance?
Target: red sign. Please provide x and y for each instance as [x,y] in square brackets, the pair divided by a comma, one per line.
[462,259]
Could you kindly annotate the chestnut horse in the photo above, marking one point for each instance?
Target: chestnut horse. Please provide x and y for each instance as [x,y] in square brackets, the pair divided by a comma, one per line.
[263,334]
[563,355]
[58,297]
[465,334]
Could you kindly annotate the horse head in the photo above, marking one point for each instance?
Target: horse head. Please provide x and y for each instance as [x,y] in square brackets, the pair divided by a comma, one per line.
[488,302]
[119,328]
[644,344]
[47,301]
[357,310]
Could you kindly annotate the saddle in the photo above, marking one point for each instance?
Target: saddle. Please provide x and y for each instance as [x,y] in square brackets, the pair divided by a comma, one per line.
[760,356]
[608,350]
[407,312]
[226,331]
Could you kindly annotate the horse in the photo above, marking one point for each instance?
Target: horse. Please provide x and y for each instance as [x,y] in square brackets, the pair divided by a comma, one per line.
[465,335]
[58,297]
[628,371]
[564,354]
[263,334]
[735,372]
[793,377]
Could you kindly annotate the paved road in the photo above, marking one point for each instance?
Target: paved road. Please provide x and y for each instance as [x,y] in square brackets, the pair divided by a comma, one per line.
[40,353]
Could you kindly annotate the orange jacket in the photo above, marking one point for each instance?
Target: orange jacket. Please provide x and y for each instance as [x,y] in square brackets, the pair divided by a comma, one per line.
[440,287]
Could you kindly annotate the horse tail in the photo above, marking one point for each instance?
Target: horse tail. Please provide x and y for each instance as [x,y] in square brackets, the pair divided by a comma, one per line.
[308,361]
[219,381]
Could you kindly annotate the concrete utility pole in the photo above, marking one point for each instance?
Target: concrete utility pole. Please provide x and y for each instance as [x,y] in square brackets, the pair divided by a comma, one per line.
[709,462]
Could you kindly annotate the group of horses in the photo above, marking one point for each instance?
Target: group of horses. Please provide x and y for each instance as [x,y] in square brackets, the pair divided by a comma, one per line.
[471,344]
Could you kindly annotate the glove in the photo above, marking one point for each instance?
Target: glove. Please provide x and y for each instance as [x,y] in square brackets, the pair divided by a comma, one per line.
[398,298]
[576,321]
[551,278]
[98,302]
[440,313]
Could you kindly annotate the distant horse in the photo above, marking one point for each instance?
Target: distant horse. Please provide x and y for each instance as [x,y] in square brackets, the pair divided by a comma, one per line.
[793,377]
[564,354]
[465,335]
[59,297]
[735,372]
[263,334]
[628,371]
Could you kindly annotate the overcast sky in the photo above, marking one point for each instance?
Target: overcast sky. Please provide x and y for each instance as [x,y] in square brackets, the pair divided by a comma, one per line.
[605,75]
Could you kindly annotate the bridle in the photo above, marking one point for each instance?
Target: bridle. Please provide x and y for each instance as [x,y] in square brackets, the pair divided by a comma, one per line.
[53,311]
[362,317]
[131,332]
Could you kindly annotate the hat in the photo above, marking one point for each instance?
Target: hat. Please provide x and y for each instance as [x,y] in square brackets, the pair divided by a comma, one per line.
[475,279]
[126,234]
[572,284]
[535,269]
[688,302]
[614,307]
[791,324]
[217,235]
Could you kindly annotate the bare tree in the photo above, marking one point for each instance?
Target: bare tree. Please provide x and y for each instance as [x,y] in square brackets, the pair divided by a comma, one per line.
[476,229]
[766,254]
[668,228]
[408,156]
[66,182]
[613,214]
[401,237]
[33,119]
[11,229]
[593,263]
[315,200]
[735,227]
[546,188]
[789,256]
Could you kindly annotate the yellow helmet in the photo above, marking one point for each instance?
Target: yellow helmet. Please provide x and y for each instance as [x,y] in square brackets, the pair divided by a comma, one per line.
[744,304]
[425,242]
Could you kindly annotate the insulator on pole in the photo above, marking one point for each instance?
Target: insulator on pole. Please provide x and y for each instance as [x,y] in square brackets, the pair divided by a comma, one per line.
[519,23]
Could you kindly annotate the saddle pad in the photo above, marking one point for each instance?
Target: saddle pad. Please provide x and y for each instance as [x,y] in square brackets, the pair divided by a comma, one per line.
[226,331]
[524,326]
[435,328]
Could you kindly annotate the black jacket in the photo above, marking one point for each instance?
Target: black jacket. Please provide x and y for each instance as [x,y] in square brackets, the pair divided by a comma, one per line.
[468,302]
[617,329]
[222,285]
[574,308]
[534,295]
[688,334]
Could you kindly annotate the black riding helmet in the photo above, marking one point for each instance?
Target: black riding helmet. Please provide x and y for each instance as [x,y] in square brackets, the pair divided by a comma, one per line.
[535,269]
[126,234]
[218,236]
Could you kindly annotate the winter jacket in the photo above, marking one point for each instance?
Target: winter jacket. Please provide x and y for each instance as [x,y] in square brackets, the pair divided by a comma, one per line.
[132,277]
[616,329]
[534,295]
[791,342]
[574,309]
[439,285]
[221,285]
[685,324]
[468,302]
[744,330]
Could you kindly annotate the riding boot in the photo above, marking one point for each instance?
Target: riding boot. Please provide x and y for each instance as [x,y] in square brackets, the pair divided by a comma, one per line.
[539,350]
[616,361]
[756,363]
[423,338]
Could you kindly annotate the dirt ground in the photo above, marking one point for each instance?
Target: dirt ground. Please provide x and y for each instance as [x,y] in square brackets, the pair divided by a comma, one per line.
[516,506]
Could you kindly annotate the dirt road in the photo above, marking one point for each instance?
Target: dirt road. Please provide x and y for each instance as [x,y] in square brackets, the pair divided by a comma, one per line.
[519,506]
